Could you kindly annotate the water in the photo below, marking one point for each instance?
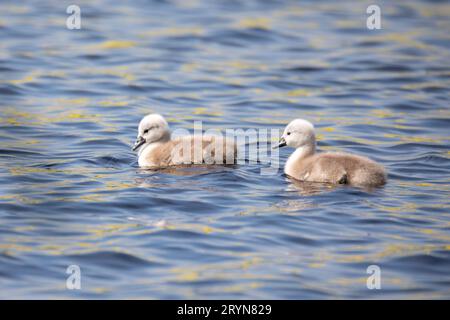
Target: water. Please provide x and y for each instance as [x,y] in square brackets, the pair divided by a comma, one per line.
[71,192]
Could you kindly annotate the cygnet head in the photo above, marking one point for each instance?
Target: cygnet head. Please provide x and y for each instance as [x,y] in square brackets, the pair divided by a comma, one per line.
[297,134]
[152,128]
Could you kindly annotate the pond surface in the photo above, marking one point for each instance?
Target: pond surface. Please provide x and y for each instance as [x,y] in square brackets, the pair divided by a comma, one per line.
[71,192]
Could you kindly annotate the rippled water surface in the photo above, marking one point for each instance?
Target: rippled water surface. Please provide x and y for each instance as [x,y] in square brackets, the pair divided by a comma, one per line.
[71,191]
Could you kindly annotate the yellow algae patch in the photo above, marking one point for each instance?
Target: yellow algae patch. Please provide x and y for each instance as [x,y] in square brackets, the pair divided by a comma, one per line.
[17,9]
[92,198]
[51,247]
[207,229]
[424,184]
[205,111]
[65,117]
[110,228]
[352,258]
[108,103]
[193,227]
[254,23]
[294,11]
[405,138]
[404,249]
[116,185]
[379,113]
[402,208]
[435,11]
[189,67]
[24,228]
[398,126]
[242,65]
[32,77]
[423,85]
[345,24]
[250,263]
[78,101]
[119,71]
[188,276]
[267,120]
[56,73]
[19,114]
[348,281]
[173,32]
[26,79]
[29,142]
[316,265]
[101,290]
[85,244]
[403,38]
[125,75]
[13,122]
[116,44]
[76,116]
[15,247]
[299,93]
[24,170]
[328,129]
[241,287]
[427,231]
[428,185]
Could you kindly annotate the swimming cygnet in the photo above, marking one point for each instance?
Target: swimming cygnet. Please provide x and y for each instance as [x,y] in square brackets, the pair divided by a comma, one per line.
[338,168]
[157,149]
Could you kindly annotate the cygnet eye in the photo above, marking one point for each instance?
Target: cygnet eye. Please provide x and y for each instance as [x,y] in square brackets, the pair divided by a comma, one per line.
[151,128]
[288,133]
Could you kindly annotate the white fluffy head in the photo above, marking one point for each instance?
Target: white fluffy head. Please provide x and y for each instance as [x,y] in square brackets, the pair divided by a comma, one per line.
[298,133]
[152,128]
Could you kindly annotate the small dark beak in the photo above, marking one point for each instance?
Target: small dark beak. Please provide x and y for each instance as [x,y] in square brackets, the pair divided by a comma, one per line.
[281,144]
[139,142]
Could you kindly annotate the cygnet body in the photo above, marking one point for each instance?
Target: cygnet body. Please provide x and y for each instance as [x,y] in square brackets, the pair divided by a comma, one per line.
[337,168]
[158,150]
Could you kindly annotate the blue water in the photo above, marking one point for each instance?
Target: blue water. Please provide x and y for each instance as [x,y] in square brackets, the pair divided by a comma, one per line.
[71,192]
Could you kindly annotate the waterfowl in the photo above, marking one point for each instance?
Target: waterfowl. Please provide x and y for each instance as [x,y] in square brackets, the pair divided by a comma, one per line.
[338,168]
[158,150]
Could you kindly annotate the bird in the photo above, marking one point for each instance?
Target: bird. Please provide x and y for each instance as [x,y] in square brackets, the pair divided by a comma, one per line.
[305,164]
[158,150]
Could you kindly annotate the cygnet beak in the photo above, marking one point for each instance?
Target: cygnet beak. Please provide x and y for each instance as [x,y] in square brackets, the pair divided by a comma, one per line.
[281,144]
[139,142]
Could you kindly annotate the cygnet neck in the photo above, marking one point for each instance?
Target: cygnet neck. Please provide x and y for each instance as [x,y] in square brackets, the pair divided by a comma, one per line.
[304,151]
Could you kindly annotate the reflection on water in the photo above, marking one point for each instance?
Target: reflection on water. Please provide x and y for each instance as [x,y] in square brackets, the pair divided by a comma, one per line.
[305,188]
[71,191]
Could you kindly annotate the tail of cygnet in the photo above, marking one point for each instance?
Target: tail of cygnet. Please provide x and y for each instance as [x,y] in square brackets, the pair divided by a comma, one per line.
[373,175]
